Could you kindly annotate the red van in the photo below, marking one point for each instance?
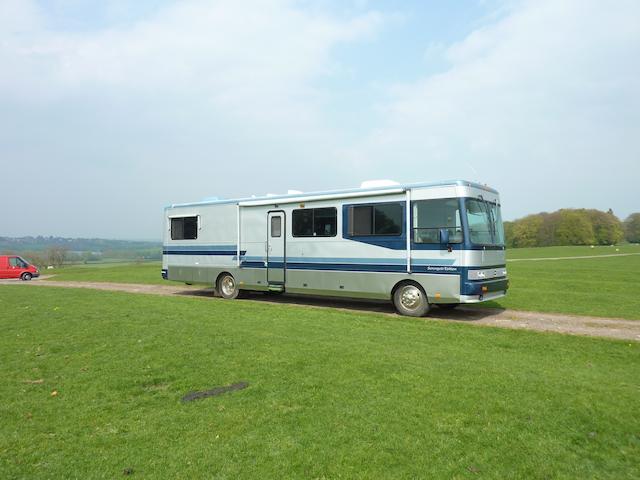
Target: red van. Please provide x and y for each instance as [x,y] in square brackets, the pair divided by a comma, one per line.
[13,266]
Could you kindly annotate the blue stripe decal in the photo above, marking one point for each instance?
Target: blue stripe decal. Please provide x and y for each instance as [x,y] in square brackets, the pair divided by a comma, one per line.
[203,252]
[359,261]
[185,248]
[354,267]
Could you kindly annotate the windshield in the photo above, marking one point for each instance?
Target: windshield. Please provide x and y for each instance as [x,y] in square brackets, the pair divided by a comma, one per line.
[485,222]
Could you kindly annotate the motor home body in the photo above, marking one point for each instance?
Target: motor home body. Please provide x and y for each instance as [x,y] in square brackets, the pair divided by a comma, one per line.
[417,245]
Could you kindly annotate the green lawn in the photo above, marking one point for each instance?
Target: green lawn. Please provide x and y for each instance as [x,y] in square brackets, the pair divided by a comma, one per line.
[605,287]
[575,251]
[331,394]
[147,272]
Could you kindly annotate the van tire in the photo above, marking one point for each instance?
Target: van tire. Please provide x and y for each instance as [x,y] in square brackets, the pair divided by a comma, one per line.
[26,276]
[410,300]
[227,286]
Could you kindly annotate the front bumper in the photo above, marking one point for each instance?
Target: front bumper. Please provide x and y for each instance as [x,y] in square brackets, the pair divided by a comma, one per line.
[484,287]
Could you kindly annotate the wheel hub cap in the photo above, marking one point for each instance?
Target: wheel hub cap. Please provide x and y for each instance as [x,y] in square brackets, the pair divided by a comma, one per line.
[228,285]
[411,297]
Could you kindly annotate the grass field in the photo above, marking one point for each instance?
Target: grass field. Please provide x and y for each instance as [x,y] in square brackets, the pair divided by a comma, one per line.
[572,251]
[147,272]
[331,394]
[605,287]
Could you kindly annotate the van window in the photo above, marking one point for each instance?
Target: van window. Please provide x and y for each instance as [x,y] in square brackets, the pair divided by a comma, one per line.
[184,228]
[377,219]
[314,222]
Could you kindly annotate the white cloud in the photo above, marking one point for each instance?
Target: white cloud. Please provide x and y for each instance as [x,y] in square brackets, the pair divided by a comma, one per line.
[209,98]
[223,89]
[232,53]
[543,103]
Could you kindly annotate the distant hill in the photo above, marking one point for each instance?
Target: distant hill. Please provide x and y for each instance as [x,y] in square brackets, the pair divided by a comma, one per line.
[41,249]
[73,244]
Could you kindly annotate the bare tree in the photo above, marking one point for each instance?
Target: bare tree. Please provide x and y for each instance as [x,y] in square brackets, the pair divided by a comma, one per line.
[56,256]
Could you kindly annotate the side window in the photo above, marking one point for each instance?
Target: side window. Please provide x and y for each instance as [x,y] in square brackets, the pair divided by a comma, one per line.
[429,216]
[324,222]
[302,223]
[276,226]
[378,219]
[184,228]
[13,261]
[314,222]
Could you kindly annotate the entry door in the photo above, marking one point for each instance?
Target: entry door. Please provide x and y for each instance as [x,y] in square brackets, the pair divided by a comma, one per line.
[275,247]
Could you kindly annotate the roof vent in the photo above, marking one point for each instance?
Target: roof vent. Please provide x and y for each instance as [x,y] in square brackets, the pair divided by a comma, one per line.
[378,183]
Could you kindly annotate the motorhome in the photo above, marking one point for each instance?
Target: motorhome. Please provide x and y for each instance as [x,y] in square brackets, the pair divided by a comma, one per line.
[417,245]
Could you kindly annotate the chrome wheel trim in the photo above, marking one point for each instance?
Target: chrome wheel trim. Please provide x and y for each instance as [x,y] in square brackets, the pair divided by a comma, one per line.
[228,285]
[411,297]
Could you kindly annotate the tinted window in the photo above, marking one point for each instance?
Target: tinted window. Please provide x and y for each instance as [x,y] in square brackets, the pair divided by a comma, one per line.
[302,223]
[387,219]
[362,220]
[429,216]
[324,222]
[184,228]
[314,222]
[381,219]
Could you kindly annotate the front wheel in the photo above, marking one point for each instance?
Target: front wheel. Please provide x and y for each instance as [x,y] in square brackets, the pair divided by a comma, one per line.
[26,276]
[227,287]
[410,300]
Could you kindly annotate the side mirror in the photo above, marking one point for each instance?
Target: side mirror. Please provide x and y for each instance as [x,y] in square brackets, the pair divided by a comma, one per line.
[444,236]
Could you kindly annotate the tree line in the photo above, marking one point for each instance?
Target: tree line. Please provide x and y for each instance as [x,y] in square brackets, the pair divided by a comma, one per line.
[572,227]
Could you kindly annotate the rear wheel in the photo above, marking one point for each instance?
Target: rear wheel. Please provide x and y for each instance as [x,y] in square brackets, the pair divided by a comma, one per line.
[26,276]
[227,286]
[410,300]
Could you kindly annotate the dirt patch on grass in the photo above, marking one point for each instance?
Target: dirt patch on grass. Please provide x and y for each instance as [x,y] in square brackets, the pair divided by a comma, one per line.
[214,392]
[546,322]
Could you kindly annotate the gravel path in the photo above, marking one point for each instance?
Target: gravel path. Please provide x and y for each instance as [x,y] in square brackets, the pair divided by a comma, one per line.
[546,322]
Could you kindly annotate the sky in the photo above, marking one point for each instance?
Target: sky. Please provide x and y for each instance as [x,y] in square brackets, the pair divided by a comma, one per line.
[111,109]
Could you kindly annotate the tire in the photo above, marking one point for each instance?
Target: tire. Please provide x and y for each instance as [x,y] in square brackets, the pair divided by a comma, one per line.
[227,286]
[410,300]
[447,306]
[26,276]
